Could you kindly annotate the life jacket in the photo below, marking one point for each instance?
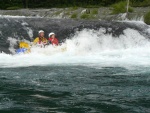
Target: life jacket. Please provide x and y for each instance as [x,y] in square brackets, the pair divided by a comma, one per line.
[40,40]
[23,48]
[54,41]
[24,45]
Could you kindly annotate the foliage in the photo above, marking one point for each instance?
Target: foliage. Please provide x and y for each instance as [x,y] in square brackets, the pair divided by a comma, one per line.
[87,16]
[74,15]
[140,3]
[55,3]
[4,4]
[147,18]
[84,16]
[94,11]
[74,8]
[120,7]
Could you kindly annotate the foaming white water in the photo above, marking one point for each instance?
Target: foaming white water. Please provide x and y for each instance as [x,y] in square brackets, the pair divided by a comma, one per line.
[10,16]
[89,48]
[124,17]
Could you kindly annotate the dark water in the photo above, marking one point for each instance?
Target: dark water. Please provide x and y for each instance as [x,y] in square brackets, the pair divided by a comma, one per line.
[74,89]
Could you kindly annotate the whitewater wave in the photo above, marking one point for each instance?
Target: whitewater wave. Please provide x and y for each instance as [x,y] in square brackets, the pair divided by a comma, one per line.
[87,47]
[10,16]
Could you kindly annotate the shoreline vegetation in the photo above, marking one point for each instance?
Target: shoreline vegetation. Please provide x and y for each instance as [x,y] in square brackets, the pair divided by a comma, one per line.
[77,9]
[17,4]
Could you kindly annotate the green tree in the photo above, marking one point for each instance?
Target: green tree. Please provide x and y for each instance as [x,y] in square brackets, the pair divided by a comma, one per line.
[25,3]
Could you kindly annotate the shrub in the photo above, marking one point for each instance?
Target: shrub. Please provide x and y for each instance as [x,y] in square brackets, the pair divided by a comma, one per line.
[74,8]
[67,13]
[131,10]
[74,15]
[94,11]
[84,16]
[147,18]
[87,16]
[120,8]
[143,3]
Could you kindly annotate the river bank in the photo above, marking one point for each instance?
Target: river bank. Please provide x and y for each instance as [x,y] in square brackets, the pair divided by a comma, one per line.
[102,13]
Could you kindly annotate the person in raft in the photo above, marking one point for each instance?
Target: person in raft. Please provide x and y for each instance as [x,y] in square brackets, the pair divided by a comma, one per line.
[24,47]
[41,40]
[52,39]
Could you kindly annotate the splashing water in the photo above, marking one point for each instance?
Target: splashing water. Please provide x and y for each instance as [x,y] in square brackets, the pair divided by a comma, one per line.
[92,47]
[92,71]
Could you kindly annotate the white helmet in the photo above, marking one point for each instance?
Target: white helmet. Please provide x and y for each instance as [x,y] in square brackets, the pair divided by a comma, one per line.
[51,34]
[41,31]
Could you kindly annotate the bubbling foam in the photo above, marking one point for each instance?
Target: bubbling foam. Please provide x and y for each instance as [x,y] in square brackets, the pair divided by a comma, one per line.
[87,47]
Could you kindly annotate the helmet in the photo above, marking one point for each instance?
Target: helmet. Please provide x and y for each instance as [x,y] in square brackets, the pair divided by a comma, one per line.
[51,34]
[41,31]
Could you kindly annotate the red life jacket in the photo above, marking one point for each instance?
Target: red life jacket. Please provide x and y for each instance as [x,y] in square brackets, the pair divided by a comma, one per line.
[54,41]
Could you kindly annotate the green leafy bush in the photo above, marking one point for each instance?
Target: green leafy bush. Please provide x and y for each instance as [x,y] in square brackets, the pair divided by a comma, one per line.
[84,16]
[120,8]
[94,11]
[147,18]
[74,15]
[87,16]
[74,8]
[143,3]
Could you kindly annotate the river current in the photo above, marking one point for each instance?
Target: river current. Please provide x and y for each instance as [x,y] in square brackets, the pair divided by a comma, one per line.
[105,67]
